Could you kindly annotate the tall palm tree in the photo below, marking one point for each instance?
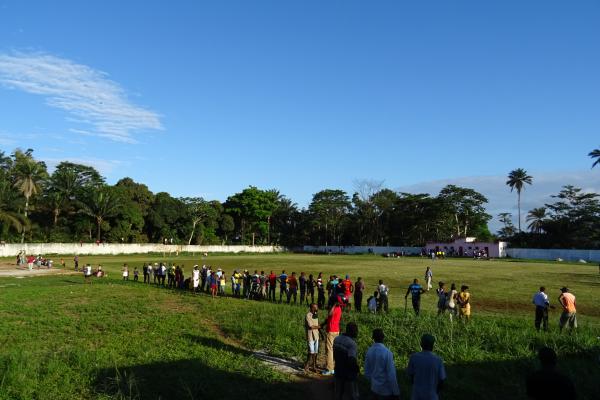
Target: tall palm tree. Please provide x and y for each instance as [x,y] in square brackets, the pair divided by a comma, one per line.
[100,205]
[536,219]
[516,180]
[29,175]
[595,155]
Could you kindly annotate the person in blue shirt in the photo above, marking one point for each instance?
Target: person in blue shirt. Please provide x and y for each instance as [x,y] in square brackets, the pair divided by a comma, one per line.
[415,290]
[282,285]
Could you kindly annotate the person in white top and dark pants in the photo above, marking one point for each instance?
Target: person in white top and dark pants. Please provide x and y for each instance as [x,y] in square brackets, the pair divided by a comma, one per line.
[381,370]
[540,299]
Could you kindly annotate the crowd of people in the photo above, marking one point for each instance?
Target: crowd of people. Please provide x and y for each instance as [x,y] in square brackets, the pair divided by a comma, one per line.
[337,296]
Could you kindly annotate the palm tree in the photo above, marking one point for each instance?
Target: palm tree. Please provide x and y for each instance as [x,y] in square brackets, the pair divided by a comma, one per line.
[516,180]
[100,205]
[29,174]
[536,219]
[595,155]
[13,219]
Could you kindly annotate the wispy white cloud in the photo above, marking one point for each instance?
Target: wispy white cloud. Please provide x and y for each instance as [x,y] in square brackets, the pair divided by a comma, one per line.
[105,167]
[87,95]
[501,199]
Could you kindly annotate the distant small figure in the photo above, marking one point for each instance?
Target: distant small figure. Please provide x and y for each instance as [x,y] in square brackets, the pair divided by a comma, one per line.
[547,383]
[136,274]
[76,262]
[382,303]
[87,273]
[569,314]
[415,290]
[372,302]
[428,278]
[125,272]
[426,371]
[451,301]
[464,303]
[540,300]
[442,296]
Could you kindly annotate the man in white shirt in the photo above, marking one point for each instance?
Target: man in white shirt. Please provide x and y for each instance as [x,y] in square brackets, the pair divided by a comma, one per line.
[426,371]
[540,299]
[383,296]
[381,370]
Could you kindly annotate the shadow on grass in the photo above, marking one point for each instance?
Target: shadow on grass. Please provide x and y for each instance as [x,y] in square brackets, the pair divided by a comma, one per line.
[215,344]
[190,379]
[507,379]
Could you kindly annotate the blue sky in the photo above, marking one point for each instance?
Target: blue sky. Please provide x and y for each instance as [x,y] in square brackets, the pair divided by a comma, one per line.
[206,98]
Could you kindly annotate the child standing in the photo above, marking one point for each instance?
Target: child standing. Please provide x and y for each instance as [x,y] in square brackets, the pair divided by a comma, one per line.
[125,272]
[136,273]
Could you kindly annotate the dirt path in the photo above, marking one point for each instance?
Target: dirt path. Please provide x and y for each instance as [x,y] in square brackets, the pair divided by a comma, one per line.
[315,385]
[11,270]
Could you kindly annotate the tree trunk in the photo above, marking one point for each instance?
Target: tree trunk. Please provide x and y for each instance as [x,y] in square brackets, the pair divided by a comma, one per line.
[519,206]
[99,221]
[26,209]
[193,229]
[56,212]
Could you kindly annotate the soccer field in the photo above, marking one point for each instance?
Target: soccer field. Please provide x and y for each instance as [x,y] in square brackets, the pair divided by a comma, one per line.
[114,339]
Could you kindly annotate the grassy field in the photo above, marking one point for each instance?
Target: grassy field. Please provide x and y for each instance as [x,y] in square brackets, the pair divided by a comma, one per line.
[62,339]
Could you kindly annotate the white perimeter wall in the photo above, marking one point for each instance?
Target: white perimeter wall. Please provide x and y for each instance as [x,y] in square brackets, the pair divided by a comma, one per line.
[553,254]
[362,249]
[12,249]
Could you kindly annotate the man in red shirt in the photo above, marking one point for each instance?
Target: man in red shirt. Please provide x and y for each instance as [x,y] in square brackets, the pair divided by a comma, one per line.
[333,331]
[293,288]
[272,284]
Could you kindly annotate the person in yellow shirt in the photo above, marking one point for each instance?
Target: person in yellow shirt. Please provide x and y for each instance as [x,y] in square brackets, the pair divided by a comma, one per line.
[569,314]
[464,303]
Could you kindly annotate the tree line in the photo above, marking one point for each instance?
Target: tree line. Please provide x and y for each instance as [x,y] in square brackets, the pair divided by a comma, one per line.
[74,203]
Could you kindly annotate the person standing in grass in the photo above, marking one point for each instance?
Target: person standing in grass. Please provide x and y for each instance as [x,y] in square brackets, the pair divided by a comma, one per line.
[333,331]
[382,302]
[136,274]
[238,282]
[282,285]
[310,288]
[428,278]
[451,301]
[415,290]
[145,272]
[311,325]
[380,369]
[292,288]
[426,371]
[346,364]
[442,296]
[464,303]
[302,283]
[272,286]
[569,314]
[541,302]
[320,291]
[359,288]
[87,273]
[222,284]
[547,383]
[347,288]
[125,271]
[196,278]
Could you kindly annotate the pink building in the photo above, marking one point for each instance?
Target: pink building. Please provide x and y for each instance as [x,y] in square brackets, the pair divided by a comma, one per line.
[467,247]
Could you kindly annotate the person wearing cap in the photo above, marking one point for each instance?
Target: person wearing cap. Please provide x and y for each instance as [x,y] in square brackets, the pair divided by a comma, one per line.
[346,364]
[540,300]
[464,303]
[569,314]
[426,371]
[380,369]
[332,327]
[547,383]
